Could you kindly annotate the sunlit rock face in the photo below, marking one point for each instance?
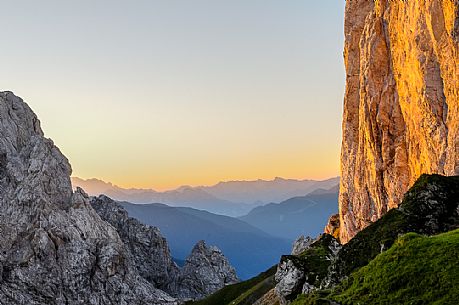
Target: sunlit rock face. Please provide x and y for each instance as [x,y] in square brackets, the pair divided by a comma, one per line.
[401,103]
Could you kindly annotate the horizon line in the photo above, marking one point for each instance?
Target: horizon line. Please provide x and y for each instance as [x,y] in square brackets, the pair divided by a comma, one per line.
[201,185]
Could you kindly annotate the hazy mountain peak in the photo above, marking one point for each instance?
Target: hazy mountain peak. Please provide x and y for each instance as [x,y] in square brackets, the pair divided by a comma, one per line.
[232,198]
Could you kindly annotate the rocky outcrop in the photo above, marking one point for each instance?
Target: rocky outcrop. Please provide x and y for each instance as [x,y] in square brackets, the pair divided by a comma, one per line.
[333,226]
[206,270]
[54,248]
[430,207]
[308,271]
[401,110]
[301,244]
[148,248]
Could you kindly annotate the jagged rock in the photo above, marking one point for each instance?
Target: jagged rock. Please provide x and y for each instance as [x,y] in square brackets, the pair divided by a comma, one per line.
[301,244]
[206,270]
[401,111]
[290,280]
[308,271]
[333,226]
[54,248]
[148,248]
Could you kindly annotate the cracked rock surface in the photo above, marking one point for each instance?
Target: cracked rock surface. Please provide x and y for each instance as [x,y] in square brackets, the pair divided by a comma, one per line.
[401,109]
[301,244]
[206,270]
[54,248]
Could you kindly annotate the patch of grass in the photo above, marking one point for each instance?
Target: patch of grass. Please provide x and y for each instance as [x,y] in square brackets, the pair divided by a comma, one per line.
[415,270]
[415,263]
[256,292]
[429,207]
[242,292]
[316,298]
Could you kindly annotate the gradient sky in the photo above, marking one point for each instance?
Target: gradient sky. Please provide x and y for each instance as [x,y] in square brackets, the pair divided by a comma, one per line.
[159,94]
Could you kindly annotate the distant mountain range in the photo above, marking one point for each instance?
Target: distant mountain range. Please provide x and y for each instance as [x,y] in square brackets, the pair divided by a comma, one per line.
[306,215]
[254,241]
[250,250]
[232,198]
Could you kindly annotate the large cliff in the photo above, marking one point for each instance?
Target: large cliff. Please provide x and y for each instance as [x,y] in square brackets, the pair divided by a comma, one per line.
[401,108]
[54,248]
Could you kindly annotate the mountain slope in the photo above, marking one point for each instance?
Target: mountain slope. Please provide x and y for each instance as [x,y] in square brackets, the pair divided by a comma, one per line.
[249,249]
[264,191]
[415,270]
[427,268]
[430,207]
[297,216]
[244,293]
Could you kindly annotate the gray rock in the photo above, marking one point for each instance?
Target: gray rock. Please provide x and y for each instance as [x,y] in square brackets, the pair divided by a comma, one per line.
[301,244]
[148,248]
[307,272]
[54,248]
[290,279]
[206,270]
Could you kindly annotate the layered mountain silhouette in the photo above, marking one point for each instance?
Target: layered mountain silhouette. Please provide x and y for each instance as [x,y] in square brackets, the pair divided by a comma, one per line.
[305,215]
[233,198]
[249,249]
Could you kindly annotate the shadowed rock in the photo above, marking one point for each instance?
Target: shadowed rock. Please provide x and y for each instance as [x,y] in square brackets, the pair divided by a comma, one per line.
[54,248]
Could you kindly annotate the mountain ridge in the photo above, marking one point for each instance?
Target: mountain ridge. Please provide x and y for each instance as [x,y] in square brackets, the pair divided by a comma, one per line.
[304,215]
[233,198]
[249,249]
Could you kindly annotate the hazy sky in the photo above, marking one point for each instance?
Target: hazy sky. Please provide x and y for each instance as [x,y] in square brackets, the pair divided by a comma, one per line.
[163,93]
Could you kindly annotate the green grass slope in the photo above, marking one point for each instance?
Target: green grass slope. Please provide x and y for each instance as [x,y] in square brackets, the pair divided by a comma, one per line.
[415,270]
[429,207]
[243,293]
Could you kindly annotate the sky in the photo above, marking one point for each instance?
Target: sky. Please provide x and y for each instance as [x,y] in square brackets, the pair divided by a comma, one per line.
[158,94]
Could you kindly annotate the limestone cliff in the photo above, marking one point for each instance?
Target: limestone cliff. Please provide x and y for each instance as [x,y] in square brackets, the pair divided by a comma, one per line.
[401,108]
[54,248]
